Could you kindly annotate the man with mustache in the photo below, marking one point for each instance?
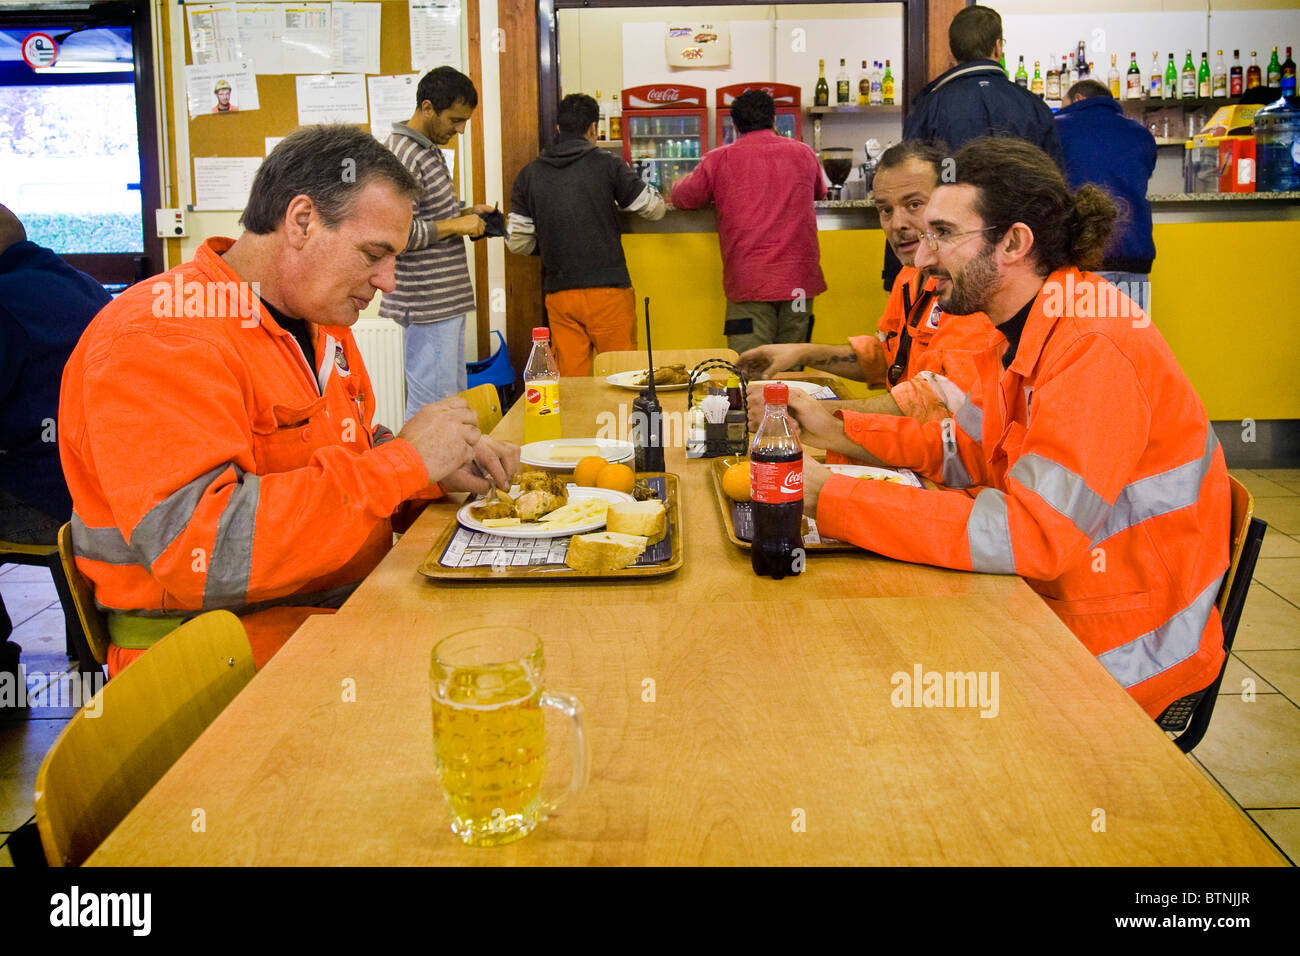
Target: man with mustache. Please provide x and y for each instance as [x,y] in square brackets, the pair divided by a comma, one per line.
[1095,472]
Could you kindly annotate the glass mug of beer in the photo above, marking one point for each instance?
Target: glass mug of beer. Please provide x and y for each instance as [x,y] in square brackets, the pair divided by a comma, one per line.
[489,736]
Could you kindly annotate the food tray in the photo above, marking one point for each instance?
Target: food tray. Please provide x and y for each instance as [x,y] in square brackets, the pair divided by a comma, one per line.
[482,556]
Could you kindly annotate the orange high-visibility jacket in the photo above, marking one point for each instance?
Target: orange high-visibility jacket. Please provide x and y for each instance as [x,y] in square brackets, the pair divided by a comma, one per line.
[1100,482]
[210,467]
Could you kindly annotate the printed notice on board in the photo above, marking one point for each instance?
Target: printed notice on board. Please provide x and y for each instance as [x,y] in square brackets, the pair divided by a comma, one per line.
[221,88]
[223,182]
[354,31]
[306,38]
[392,100]
[435,34]
[214,37]
[259,26]
[337,98]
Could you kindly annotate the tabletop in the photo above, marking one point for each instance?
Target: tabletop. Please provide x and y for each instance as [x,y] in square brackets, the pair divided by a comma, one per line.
[732,720]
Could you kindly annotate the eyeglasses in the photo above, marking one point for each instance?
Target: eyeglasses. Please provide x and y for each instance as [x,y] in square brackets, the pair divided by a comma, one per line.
[932,239]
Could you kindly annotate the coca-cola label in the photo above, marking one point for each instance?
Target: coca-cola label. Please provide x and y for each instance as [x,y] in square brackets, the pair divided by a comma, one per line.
[776,482]
[664,94]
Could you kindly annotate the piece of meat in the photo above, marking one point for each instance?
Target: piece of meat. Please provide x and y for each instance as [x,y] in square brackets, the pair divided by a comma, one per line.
[494,509]
[531,505]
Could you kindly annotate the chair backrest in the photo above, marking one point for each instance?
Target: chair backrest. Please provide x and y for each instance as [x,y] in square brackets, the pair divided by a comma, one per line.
[121,742]
[1243,509]
[486,404]
[93,623]
[607,363]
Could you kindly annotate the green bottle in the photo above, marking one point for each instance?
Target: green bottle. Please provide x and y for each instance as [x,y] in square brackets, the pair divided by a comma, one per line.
[1188,88]
[1274,71]
[1022,78]
[1203,76]
[1171,79]
[887,86]
[1003,61]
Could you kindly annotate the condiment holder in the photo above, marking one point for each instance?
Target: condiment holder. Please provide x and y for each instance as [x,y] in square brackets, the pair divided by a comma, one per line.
[725,434]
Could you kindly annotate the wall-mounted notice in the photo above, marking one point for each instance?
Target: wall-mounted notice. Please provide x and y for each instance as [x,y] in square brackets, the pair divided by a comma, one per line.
[392,100]
[221,88]
[223,182]
[259,26]
[698,44]
[354,32]
[214,37]
[272,142]
[306,38]
[435,34]
[336,98]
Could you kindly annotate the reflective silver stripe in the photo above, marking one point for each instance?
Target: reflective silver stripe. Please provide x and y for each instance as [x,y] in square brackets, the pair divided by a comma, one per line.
[1160,494]
[332,597]
[1064,490]
[989,534]
[954,473]
[100,544]
[231,565]
[168,518]
[970,419]
[1168,645]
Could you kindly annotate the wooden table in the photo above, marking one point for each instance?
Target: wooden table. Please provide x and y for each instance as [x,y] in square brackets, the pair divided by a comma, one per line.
[733,720]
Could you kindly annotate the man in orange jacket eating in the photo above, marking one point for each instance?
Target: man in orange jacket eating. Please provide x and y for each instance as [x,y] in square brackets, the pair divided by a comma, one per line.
[215,422]
[1095,472]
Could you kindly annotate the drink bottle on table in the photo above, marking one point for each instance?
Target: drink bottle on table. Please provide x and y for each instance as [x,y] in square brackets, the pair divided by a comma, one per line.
[541,391]
[776,490]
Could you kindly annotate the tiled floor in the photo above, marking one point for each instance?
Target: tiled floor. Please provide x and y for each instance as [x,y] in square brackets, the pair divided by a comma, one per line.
[1252,750]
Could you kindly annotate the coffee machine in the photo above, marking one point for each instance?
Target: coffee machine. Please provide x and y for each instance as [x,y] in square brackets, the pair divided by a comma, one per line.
[838,163]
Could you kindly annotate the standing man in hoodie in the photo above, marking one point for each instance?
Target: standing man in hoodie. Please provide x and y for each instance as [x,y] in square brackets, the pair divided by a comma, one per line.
[564,207]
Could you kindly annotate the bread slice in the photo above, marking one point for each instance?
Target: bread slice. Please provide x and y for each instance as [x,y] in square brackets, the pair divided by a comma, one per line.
[646,518]
[604,551]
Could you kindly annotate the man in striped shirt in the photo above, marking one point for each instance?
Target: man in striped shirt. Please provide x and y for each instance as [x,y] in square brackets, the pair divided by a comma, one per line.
[434,293]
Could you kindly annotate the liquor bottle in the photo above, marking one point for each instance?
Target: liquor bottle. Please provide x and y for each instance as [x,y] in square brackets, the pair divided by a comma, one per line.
[1022,78]
[615,118]
[776,489]
[877,85]
[1171,79]
[1083,61]
[822,95]
[1288,75]
[1236,81]
[1187,87]
[1052,89]
[842,85]
[887,86]
[1203,76]
[1273,75]
[602,124]
[1254,75]
[1074,75]
[541,390]
[864,86]
[1219,78]
[1157,90]
[1112,78]
[1036,84]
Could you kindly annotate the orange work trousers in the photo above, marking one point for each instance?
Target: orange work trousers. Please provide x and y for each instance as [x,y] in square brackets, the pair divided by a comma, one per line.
[587,321]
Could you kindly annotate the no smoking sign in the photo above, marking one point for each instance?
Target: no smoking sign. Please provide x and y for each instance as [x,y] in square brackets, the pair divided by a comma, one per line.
[39,49]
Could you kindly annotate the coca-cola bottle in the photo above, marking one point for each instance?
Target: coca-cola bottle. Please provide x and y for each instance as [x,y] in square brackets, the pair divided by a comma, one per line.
[776,488]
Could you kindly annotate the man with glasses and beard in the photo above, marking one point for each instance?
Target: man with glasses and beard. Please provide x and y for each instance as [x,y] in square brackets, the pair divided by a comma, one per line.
[1094,471]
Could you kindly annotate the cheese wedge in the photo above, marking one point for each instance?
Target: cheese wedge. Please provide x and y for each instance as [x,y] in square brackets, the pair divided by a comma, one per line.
[646,518]
[500,522]
[575,513]
[603,551]
[571,452]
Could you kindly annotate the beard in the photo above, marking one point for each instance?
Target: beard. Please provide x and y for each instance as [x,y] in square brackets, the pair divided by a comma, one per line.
[972,287]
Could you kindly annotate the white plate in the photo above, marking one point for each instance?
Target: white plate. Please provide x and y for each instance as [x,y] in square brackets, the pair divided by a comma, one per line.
[531,530]
[812,388]
[541,454]
[628,380]
[900,476]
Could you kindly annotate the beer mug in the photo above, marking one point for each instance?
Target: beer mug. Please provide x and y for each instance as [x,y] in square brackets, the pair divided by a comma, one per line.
[489,738]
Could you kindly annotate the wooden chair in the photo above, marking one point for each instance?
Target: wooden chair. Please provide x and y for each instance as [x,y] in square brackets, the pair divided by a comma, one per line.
[486,402]
[94,625]
[119,744]
[607,363]
[1191,714]
[47,556]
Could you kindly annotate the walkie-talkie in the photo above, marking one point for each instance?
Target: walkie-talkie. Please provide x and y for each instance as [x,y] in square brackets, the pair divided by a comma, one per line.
[647,416]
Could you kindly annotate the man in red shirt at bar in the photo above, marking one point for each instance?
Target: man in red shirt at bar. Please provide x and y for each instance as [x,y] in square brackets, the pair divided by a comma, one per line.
[763,186]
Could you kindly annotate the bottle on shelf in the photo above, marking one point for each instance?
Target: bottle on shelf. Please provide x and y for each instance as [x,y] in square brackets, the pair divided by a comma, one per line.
[822,95]
[1052,88]
[1273,75]
[842,85]
[1157,90]
[1036,84]
[1073,75]
[1112,78]
[1084,65]
[1171,79]
[1134,78]
[877,85]
[1219,77]
[602,124]
[1203,76]
[615,118]
[1254,75]
[776,489]
[1022,78]
[887,87]
[541,390]
[1236,80]
[1288,75]
[864,86]
[1187,86]
[1002,62]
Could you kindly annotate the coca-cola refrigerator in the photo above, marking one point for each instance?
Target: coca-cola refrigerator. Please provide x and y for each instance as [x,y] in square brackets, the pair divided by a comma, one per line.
[789,121]
[665,131]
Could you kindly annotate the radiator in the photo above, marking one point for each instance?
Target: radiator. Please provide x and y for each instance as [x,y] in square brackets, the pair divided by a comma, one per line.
[380,341]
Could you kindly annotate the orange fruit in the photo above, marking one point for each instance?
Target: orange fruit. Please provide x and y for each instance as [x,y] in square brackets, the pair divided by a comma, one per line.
[735,481]
[585,472]
[616,478]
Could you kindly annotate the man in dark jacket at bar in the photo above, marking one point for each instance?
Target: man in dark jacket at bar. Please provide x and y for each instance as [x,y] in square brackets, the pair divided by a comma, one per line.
[1104,147]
